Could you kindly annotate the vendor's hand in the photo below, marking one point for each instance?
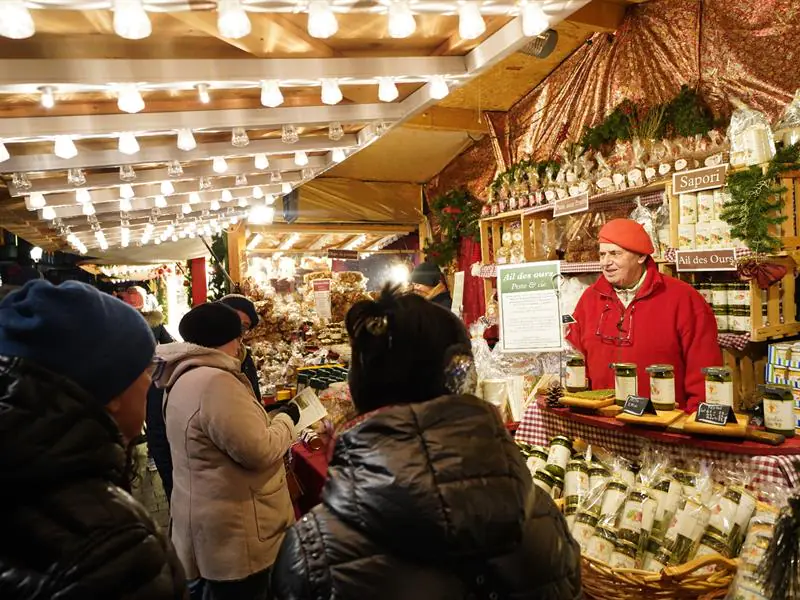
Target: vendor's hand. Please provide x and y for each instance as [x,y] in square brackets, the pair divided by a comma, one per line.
[291,409]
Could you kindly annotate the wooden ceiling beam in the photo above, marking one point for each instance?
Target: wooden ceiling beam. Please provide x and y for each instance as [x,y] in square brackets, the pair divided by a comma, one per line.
[440,118]
[336,228]
[600,15]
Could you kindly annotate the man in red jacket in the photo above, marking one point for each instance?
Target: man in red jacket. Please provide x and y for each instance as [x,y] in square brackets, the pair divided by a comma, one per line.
[635,314]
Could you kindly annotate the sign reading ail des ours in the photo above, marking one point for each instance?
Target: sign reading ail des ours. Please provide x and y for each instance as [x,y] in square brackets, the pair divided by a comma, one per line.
[698,180]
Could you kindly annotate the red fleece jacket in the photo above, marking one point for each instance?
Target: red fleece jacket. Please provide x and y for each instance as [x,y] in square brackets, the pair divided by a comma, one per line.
[668,322]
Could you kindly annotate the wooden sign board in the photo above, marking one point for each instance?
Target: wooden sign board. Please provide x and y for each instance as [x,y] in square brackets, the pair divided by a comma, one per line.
[706,260]
[571,205]
[639,406]
[698,180]
[343,254]
[715,414]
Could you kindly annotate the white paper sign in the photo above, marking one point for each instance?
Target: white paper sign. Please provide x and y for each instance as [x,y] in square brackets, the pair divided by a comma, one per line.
[530,315]
[458,292]
[311,409]
[322,297]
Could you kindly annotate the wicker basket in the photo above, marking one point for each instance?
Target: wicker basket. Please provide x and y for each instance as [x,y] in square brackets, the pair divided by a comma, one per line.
[601,582]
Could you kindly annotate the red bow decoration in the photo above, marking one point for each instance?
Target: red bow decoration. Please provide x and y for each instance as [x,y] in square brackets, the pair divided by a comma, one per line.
[765,273]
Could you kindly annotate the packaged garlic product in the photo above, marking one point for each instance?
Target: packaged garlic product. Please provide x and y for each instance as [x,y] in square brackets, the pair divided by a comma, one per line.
[703,237]
[705,207]
[686,237]
[688,209]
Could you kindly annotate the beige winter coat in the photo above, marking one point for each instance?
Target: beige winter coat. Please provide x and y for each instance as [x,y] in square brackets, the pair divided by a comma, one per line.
[230,504]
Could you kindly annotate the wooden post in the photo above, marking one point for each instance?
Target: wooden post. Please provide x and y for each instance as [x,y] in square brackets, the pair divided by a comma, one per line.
[197,267]
[237,245]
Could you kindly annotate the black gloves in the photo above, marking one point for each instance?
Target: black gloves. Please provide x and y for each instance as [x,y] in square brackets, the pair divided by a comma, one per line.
[289,408]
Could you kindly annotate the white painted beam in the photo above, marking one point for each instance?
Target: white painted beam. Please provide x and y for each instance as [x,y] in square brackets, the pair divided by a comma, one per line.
[164,153]
[89,74]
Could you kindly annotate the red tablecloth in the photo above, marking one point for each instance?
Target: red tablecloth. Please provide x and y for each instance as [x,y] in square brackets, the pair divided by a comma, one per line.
[770,465]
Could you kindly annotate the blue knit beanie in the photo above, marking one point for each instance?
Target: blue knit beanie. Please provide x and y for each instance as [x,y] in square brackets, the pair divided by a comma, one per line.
[73,329]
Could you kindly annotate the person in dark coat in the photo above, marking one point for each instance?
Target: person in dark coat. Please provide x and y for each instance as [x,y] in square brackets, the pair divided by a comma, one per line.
[428,282]
[246,310]
[157,444]
[428,497]
[75,366]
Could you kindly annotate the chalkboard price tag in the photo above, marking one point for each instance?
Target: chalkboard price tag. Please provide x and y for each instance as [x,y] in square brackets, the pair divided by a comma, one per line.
[715,414]
[639,406]
[568,319]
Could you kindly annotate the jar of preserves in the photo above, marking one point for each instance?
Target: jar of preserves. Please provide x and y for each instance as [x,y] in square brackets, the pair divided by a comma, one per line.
[626,382]
[544,481]
[656,559]
[662,386]
[598,476]
[613,498]
[721,316]
[719,385]
[719,294]
[559,455]
[537,459]
[711,545]
[778,409]
[576,482]
[576,373]
[583,530]
[601,544]
[623,556]
[739,319]
[558,487]
[739,294]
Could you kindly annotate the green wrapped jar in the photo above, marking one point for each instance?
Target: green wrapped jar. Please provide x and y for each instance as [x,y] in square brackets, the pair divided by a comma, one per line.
[778,409]
[662,386]
[623,556]
[576,373]
[576,481]
[626,382]
[711,545]
[544,481]
[559,455]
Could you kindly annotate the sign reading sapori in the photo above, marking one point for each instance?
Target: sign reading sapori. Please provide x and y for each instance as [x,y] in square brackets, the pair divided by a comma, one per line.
[698,180]
[706,260]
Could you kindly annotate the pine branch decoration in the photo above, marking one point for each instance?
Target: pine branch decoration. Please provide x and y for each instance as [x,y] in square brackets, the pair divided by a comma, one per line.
[757,201]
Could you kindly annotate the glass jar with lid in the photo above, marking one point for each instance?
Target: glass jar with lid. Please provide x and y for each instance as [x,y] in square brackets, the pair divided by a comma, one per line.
[719,385]
[626,382]
[559,455]
[739,319]
[662,386]
[576,373]
[722,318]
[778,409]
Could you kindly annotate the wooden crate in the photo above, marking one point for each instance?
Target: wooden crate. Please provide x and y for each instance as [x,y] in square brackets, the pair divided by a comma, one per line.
[773,312]
[748,367]
[790,229]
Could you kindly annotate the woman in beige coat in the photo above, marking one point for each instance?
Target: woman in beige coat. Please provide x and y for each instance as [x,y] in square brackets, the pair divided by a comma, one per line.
[230,503]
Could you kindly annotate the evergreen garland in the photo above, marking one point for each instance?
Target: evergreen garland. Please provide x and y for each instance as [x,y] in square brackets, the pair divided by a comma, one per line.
[219,285]
[457,214]
[757,201]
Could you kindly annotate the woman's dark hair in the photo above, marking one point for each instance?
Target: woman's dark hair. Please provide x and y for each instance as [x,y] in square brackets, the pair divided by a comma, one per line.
[401,345]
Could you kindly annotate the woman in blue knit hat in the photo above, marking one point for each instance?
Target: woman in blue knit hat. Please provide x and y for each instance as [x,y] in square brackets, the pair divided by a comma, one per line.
[75,367]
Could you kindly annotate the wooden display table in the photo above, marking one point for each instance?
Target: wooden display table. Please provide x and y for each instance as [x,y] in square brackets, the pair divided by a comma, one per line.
[771,465]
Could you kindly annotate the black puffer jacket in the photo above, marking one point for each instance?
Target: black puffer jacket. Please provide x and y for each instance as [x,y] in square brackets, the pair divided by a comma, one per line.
[69,531]
[429,501]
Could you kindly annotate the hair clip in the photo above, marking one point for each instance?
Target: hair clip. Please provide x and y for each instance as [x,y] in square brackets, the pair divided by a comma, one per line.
[377,326]
[460,375]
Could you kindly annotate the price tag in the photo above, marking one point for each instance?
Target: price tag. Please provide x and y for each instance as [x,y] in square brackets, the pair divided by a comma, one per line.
[568,319]
[639,406]
[715,414]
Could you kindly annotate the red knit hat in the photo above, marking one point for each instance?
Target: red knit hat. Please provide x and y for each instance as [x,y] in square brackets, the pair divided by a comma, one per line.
[627,234]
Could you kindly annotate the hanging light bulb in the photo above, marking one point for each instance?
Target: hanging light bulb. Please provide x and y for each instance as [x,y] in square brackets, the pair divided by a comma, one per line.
[271,95]
[15,20]
[64,147]
[126,191]
[227,196]
[307,173]
[161,202]
[186,209]
[129,99]
[174,169]
[21,181]
[76,177]
[48,97]
[239,137]
[439,87]
[261,162]
[321,20]
[337,155]
[215,205]
[128,144]
[130,20]
[36,201]
[88,209]
[470,21]
[83,196]
[401,20]
[331,94]
[167,188]
[126,173]
[335,131]
[205,184]
[286,187]
[241,180]
[4,155]
[194,198]
[300,158]
[275,177]
[242,202]
[258,192]
[219,165]
[260,215]
[125,205]
[186,140]
[289,134]
[125,237]
[48,213]
[534,20]
[387,90]
[202,93]
[232,20]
